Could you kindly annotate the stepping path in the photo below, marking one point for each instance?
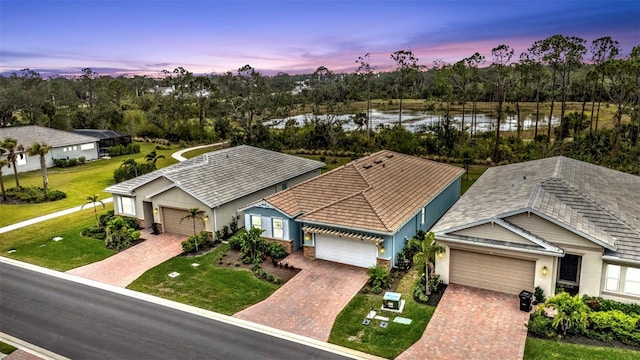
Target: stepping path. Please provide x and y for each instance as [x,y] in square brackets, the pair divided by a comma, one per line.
[309,303]
[124,267]
[471,323]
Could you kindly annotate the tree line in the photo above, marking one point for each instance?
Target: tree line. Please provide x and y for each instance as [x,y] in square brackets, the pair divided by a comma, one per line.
[550,74]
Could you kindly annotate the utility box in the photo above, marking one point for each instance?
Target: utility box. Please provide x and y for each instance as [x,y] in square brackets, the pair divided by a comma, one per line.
[391,300]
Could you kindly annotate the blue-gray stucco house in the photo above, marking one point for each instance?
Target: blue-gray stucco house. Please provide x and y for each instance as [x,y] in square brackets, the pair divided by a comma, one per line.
[362,213]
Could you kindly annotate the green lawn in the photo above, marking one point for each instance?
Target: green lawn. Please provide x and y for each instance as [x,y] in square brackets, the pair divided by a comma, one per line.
[331,162]
[196,152]
[539,349]
[33,244]
[474,173]
[348,330]
[6,348]
[77,182]
[218,289]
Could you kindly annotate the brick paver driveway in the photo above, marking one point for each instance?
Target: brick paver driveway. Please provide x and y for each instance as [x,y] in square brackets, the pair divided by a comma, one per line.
[124,267]
[309,303]
[472,323]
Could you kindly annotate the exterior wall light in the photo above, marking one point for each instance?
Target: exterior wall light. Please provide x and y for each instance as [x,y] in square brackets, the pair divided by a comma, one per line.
[206,218]
[381,249]
[155,211]
[440,254]
[545,271]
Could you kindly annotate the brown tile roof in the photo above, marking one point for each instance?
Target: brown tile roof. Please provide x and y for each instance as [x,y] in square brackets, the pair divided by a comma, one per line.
[379,192]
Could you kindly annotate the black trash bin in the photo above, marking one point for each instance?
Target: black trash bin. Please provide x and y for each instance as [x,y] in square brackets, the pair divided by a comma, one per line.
[525,300]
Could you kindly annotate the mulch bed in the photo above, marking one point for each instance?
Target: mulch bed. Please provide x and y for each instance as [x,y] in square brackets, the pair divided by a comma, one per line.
[434,298]
[232,259]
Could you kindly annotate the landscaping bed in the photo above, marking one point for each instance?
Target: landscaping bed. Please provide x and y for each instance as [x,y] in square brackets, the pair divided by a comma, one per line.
[233,259]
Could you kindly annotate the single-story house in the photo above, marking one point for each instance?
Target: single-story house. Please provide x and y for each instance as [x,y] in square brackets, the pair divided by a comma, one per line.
[362,213]
[217,183]
[554,222]
[107,138]
[64,145]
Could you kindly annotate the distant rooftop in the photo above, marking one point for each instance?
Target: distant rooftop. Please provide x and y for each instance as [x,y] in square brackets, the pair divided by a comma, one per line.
[27,135]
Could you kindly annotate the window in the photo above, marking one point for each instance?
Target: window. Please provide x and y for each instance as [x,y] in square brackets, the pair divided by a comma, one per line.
[632,281]
[422,221]
[308,238]
[256,221]
[22,159]
[284,186]
[88,146]
[127,205]
[278,228]
[612,279]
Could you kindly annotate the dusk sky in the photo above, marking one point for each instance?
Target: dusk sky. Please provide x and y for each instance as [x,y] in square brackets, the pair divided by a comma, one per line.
[295,36]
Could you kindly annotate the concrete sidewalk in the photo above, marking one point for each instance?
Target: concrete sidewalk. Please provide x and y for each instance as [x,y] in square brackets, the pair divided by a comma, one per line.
[178,154]
[38,219]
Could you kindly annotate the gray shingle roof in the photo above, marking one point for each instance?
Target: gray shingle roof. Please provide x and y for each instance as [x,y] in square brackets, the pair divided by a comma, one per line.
[27,135]
[221,176]
[599,203]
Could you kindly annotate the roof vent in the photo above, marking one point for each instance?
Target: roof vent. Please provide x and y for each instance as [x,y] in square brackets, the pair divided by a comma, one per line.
[389,156]
[377,161]
[367,166]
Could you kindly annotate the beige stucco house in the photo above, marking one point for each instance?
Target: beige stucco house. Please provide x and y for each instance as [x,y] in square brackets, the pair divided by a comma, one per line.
[218,183]
[547,223]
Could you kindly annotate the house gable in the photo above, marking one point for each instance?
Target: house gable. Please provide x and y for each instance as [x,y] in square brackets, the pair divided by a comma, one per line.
[493,231]
[551,232]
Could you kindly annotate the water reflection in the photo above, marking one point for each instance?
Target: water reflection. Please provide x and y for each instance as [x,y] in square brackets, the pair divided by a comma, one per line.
[414,120]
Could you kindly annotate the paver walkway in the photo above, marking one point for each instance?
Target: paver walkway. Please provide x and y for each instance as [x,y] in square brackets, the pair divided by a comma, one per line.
[471,323]
[309,303]
[123,268]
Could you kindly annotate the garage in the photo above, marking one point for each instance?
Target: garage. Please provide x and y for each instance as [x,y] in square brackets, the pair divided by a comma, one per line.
[171,220]
[491,272]
[349,251]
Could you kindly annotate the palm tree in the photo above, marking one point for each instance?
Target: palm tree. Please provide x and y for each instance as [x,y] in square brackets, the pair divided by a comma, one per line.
[153,158]
[92,200]
[41,149]
[14,150]
[194,214]
[427,254]
[3,163]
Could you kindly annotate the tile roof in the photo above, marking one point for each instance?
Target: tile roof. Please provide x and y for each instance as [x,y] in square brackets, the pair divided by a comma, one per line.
[379,192]
[601,204]
[221,176]
[27,135]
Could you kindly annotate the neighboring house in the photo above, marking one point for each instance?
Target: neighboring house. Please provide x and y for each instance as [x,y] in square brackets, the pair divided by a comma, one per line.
[362,213]
[547,223]
[64,145]
[107,138]
[218,183]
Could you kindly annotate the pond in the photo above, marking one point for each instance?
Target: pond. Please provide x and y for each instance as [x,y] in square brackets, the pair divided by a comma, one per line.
[414,120]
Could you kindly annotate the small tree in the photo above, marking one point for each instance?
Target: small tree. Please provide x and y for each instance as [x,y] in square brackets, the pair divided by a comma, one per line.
[119,234]
[3,163]
[153,157]
[572,312]
[194,214]
[92,200]
[252,246]
[41,149]
[379,278]
[428,248]
[14,150]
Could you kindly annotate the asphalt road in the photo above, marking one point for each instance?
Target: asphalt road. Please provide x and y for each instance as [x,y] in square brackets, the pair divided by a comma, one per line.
[83,322]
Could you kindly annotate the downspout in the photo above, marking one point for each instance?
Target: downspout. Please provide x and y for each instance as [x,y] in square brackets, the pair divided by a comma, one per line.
[215,221]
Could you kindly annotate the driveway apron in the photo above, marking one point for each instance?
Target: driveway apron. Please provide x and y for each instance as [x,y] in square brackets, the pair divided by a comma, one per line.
[471,323]
[124,267]
[309,303]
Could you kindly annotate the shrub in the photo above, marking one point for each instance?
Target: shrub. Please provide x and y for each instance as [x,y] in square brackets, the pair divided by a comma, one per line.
[434,282]
[379,277]
[235,242]
[538,294]
[614,324]
[82,159]
[572,313]
[540,325]
[419,294]
[194,241]
[276,251]
[276,280]
[54,195]
[600,304]
[119,235]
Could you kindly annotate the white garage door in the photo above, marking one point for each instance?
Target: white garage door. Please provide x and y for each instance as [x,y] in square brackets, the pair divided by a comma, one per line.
[171,220]
[491,272]
[350,251]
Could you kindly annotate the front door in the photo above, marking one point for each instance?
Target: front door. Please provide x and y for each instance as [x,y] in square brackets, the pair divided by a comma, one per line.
[569,272]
